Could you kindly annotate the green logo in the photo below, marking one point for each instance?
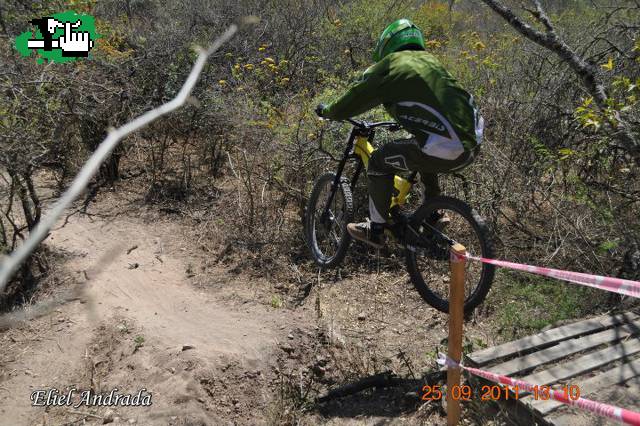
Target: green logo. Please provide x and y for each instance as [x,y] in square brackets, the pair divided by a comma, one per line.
[63,37]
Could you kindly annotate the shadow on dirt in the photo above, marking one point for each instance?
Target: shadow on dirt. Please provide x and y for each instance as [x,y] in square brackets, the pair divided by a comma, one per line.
[380,395]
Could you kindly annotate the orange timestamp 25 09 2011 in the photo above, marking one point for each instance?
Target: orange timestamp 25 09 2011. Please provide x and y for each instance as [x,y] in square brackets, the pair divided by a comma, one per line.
[496,392]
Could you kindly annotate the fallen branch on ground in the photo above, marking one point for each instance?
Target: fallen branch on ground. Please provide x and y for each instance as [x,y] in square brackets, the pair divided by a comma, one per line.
[381,380]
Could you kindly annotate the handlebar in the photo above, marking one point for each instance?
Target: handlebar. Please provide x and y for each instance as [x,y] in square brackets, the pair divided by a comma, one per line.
[365,125]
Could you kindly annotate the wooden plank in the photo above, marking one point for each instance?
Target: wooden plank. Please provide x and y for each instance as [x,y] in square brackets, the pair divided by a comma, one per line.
[549,337]
[623,395]
[566,347]
[584,364]
[594,384]
[627,396]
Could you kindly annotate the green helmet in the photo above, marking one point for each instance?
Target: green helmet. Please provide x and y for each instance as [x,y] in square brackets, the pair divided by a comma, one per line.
[400,34]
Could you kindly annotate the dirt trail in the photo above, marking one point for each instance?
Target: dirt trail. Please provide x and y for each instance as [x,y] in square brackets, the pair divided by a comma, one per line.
[149,288]
[151,284]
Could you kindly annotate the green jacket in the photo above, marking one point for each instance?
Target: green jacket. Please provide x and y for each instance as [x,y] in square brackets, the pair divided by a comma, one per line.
[418,93]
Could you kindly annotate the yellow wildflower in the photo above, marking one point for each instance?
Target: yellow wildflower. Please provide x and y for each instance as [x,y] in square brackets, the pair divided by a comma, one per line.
[609,65]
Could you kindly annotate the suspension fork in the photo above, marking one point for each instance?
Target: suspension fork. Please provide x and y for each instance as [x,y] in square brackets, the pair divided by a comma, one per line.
[360,167]
[338,177]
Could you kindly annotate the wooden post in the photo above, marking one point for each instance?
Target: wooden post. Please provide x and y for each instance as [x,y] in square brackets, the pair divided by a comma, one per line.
[456,318]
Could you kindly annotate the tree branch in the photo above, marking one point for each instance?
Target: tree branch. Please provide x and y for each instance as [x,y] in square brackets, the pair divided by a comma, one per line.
[587,73]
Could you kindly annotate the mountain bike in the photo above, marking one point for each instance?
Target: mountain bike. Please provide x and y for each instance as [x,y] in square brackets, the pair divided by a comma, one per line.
[426,247]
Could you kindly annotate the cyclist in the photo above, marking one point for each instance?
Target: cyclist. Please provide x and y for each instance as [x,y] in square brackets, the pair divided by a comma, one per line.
[428,102]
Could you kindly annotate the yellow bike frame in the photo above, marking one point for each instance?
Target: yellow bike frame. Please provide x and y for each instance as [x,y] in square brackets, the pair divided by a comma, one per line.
[364,149]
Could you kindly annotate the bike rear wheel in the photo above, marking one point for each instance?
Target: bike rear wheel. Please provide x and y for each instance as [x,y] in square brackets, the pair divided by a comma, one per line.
[428,255]
[326,232]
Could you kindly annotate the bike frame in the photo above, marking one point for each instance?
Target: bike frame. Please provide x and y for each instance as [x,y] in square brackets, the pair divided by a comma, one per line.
[359,146]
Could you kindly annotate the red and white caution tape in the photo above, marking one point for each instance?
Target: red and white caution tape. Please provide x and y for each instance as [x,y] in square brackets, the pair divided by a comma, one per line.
[615,285]
[601,409]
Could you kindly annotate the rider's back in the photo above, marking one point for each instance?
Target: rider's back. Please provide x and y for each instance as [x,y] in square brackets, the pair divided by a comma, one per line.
[419,93]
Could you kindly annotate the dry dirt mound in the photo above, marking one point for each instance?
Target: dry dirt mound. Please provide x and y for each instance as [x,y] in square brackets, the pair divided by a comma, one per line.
[155,313]
[140,324]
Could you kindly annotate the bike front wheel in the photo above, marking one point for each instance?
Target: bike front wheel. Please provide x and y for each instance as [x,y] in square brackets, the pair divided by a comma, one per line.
[427,256]
[326,225]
